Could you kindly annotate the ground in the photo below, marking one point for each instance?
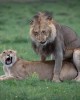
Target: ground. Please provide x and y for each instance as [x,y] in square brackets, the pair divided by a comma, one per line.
[14,34]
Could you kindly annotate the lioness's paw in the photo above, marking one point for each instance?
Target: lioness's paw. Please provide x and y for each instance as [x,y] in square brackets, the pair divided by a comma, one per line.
[1,79]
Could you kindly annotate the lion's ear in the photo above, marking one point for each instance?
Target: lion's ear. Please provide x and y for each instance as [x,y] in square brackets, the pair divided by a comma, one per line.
[31,22]
[49,18]
[49,15]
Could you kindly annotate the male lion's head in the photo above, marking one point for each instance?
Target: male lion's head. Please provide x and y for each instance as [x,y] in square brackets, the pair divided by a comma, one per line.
[42,28]
[8,57]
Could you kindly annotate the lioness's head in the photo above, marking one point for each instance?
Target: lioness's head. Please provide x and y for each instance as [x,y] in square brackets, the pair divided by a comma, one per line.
[8,57]
[42,29]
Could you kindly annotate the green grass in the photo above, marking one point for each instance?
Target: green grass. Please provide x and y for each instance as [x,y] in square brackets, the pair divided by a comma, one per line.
[14,34]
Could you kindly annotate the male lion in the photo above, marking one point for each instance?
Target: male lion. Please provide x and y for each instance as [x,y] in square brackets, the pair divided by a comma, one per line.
[50,38]
[17,68]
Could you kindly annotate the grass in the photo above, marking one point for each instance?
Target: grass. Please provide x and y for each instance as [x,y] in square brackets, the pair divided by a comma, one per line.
[14,34]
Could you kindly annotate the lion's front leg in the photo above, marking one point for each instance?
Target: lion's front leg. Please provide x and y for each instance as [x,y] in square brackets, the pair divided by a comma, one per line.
[43,58]
[58,61]
[57,69]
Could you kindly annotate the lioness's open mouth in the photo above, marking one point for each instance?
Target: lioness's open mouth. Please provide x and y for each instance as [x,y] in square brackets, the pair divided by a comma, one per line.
[8,60]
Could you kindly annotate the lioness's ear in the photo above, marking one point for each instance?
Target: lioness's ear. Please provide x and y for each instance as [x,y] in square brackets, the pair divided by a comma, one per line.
[14,51]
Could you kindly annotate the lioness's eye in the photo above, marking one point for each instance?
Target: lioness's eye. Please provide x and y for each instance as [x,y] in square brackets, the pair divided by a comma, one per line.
[10,51]
[4,52]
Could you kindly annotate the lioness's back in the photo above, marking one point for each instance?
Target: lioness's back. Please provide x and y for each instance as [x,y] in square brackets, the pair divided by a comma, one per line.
[45,70]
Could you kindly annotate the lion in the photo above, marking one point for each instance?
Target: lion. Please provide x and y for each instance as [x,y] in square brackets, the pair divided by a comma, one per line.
[17,68]
[51,38]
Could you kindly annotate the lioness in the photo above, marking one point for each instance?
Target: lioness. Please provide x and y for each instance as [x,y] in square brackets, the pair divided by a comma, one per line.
[17,68]
[50,38]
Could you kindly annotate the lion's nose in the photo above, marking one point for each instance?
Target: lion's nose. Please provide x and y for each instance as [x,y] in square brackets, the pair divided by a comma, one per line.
[42,42]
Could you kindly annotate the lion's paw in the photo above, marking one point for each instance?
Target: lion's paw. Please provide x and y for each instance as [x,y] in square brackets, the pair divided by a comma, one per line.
[56,80]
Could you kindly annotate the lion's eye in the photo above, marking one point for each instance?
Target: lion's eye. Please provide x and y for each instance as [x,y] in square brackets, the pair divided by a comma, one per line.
[35,33]
[44,32]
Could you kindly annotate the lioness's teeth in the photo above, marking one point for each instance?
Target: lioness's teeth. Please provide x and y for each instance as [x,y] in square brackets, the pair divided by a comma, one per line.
[7,57]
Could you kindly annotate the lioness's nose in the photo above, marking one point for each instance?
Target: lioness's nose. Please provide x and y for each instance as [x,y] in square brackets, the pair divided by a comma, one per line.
[8,54]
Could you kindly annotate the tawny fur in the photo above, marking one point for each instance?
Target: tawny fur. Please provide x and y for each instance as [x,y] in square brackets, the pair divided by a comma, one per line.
[51,38]
[22,69]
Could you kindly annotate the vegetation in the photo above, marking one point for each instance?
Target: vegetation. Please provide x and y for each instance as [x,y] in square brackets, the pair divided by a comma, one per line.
[14,34]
